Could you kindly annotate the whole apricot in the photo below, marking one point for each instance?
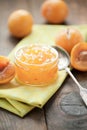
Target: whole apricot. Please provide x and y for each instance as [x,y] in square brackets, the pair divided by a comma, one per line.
[54,11]
[7,70]
[68,38]
[79,56]
[20,23]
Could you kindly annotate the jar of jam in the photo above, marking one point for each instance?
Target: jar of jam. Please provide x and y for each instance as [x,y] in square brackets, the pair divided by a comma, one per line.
[36,64]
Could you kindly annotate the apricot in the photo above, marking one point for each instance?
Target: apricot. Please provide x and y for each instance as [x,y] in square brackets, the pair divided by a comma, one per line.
[3,62]
[20,23]
[79,56]
[54,11]
[7,70]
[68,38]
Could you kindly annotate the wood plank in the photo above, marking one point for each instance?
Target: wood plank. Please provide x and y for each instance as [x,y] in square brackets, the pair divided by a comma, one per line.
[77,12]
[8,121]
[66,110]
[34,120]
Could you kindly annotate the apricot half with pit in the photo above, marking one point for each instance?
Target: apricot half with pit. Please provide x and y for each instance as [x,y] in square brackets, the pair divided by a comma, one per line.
[79,56]
[7,70]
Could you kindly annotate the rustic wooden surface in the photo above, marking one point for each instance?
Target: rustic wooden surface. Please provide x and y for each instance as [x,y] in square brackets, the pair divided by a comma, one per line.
[65,110]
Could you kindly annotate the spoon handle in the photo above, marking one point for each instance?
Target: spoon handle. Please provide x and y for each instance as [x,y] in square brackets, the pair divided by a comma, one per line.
[72,76]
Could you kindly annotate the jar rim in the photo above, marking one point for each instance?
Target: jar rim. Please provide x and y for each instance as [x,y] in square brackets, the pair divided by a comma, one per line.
[32,64]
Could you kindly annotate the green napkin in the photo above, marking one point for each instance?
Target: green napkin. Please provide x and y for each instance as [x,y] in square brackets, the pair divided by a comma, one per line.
[20,99]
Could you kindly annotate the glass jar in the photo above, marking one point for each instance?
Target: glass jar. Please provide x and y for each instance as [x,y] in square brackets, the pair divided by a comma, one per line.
[36,64]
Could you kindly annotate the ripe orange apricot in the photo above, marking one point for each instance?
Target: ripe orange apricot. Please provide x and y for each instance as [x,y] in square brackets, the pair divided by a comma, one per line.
[55,11]
[68,38]
[3,62]
[20,23]
[79,56]
[7,70]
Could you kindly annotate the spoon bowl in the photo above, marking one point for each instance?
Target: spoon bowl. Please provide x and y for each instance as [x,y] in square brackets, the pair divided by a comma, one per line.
[64,58]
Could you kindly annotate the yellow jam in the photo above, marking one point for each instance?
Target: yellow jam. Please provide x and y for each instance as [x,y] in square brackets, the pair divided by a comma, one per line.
[36,64]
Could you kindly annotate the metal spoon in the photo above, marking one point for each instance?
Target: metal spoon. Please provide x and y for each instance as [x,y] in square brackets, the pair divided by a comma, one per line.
[64,62]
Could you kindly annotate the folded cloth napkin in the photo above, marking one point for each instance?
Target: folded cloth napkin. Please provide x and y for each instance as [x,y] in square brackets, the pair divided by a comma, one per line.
[21,99]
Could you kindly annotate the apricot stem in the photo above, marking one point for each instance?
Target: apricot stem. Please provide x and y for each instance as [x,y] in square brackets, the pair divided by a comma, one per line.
[68,33]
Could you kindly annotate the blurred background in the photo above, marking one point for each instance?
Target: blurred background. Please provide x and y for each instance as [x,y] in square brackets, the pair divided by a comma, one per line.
[77,15]
[77,10]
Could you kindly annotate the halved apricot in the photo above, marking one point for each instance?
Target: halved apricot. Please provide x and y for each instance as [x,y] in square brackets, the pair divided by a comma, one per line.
[3,62]
[79,56]
[67,38]
[7,70]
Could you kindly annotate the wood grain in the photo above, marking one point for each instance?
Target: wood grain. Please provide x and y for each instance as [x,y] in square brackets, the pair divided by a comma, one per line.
[33,120]
[77,11]
[57,113]
[66,110]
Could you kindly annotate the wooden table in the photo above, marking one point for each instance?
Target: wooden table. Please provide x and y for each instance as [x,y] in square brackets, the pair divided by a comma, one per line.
[65,110]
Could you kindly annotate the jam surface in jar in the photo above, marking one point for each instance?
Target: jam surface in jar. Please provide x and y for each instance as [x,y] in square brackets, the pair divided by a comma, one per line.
[36,64]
